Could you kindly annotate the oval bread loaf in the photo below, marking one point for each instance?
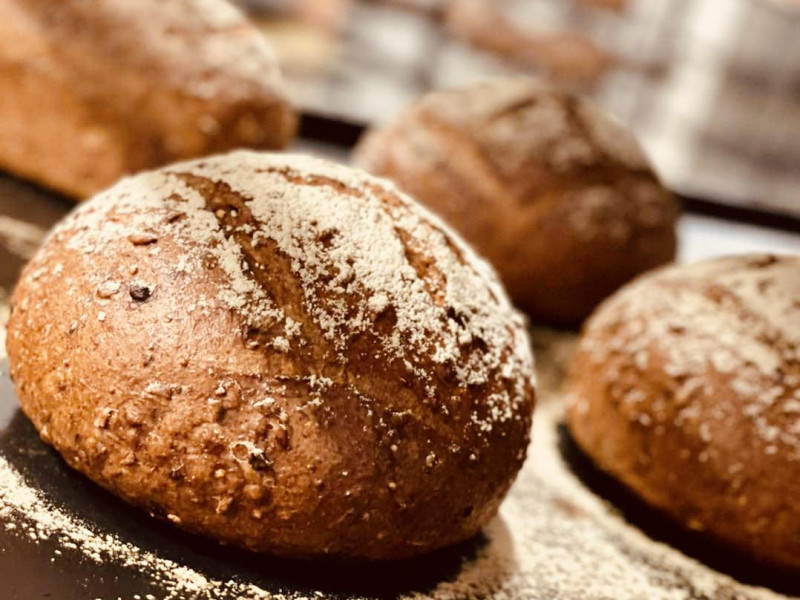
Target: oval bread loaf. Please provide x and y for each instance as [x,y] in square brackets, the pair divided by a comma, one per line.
[686,387]
[278,352]
[558,196]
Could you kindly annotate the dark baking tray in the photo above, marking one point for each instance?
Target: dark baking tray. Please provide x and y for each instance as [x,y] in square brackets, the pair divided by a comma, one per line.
[28,570]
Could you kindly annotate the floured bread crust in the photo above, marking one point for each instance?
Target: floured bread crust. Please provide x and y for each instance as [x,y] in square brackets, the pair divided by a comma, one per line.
[278,352]
[686,387]
[558,196]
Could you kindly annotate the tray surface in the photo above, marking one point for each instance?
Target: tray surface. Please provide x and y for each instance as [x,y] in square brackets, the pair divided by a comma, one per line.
[556,537]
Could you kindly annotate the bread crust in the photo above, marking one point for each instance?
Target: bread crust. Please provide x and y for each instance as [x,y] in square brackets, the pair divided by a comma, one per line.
[96,90]
[277,352]
[555,194]
[685,387]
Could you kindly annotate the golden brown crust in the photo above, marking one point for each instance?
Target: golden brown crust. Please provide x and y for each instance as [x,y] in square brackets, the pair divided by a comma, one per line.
[685,387]
[277,352]
[556,195]
[99,89]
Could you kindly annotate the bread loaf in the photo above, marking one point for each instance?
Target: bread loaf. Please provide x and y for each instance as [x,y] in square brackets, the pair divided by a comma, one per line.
[686,387]
[277,352]
[94,90]
[559,197]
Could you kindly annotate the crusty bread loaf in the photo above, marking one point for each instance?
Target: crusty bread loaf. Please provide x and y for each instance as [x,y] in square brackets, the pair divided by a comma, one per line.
[280,353]
[94,90]
[558,196]
[686,387]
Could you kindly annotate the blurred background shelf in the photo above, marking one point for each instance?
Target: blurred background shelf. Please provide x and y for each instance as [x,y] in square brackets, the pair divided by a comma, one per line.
[711,88]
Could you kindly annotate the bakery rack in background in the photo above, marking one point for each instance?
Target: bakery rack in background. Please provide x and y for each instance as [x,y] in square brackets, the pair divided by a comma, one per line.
[711,88]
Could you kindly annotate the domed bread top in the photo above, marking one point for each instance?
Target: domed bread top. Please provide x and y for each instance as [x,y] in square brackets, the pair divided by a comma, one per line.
[300,321]
[526,118]
[360,251]
[555,193]
[521,132]
[686,386]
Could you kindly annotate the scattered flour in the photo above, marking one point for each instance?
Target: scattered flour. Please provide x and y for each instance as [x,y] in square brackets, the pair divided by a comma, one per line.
[25,512]
[553,539]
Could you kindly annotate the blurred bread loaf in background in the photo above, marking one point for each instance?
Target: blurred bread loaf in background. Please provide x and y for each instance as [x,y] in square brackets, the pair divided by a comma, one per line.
[556,194]
[564,55]
[94,90]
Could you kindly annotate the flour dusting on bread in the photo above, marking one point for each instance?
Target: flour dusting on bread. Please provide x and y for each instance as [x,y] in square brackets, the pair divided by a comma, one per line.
[360,250]
[737,317]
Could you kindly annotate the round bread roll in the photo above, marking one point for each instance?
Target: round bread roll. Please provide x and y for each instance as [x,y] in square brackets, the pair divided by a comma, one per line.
[553,192]
[278,352]
[686,388]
